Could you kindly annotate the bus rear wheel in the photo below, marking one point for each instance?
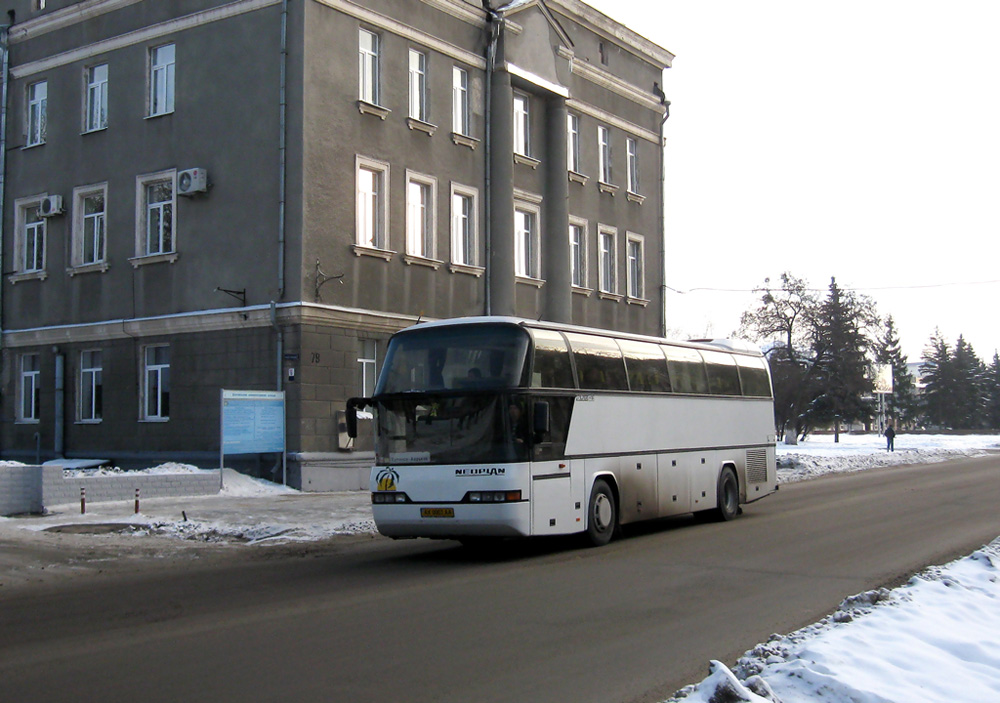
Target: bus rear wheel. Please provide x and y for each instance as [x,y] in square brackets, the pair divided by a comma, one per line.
[729,496]
[602,514]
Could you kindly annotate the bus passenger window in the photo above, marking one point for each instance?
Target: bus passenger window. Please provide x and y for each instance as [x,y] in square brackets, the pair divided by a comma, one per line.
[754,377]
[551,366]
[599,362]
[723,378]
[687,370]
[646,366]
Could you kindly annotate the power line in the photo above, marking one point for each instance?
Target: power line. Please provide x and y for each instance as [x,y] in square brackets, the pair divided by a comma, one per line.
[701,289]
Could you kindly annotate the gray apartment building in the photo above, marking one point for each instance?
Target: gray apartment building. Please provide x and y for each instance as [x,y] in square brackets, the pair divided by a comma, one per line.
[255,194]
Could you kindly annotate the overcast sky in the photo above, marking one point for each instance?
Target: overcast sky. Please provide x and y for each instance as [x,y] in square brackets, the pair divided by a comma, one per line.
[858,139]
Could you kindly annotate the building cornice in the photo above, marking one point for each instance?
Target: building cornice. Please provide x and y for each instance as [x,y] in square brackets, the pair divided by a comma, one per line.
[208,321]
[609,81]
[140,36]
[459,10]
[654,53]
[613,120]
[50,22]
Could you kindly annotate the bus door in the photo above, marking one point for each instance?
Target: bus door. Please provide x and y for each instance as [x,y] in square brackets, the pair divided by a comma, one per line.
[638,478]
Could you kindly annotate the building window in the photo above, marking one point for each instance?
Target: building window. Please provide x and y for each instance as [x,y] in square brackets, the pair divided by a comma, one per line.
[30,388]
[460,102]
[372,216]
[635,254]
[522,137]
[573,142]
[632,155]
[31,243]
[89,225]
[578,252]
[525,243]
[96,109]
[91,387]
[368,66]
[37,109]
[156,383]
[464,225]
[418,85]
[161,80]
[157,198]
[368,360]
[421,195]
[607,273]
[604,153]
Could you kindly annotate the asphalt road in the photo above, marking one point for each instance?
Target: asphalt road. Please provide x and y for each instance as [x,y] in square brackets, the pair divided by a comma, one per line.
[363,619]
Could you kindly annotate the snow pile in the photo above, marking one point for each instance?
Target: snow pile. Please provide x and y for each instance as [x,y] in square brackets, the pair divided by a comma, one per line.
[820,455]
[921,642]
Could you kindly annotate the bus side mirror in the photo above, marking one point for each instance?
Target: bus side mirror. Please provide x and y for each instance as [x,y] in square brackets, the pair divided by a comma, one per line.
[541,418]
[351,416]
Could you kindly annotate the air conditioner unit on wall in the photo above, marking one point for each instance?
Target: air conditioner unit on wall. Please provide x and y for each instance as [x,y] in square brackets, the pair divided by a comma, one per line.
[191,181]
[51,205]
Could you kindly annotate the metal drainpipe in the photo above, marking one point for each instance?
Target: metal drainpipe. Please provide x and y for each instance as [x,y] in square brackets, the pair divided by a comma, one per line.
[663,214]
[60,420]
[493,26]
[282,110]
[5,77]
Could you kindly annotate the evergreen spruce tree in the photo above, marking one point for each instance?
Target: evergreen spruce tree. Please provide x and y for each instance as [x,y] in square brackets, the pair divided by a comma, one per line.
[969,391]
[993,393]
[901,404]
[939,385]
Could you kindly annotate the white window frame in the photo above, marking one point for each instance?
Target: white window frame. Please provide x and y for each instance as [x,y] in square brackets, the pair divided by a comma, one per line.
[607,259]
[162,79]
[29,242]
[464,226]
[522,124]
[145,210]
[95,109]
[36,100]
[29,388]
[421,215]
[635,267]
[604,154]
[89,227]
[371,210]
[90,386]
[418,85]
[369,66]
[632,158]
[461,121]
[368,362]
[572,142]
[527,236]
[578,254]
[155,384]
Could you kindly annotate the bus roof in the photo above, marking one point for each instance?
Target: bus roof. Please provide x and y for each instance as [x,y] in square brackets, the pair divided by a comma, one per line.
[736,346]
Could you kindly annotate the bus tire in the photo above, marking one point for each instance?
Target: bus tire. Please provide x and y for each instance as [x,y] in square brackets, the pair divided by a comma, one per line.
[602,514]
[728,495]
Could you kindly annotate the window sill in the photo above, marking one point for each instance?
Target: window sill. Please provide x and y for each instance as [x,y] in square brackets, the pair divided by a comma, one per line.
[169,258]
[530,281]
[635,197]
[420,126]
[99,267]
[360,250]
[464,140]
[469,269]
[604,295]
[642,302]
[32,146]
[526,160]
[155,420]
[22,421]
[415,260]
[607,187]
[95,130]
[585,292]
[158,114]
[28,276]
[576,177]
[367,108]
[98,421]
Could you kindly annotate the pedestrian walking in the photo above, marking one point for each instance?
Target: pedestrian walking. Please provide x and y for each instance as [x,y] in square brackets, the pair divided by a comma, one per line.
[890,435]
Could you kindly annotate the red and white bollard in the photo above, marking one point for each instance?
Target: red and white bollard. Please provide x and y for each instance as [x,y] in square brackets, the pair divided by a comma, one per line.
[136,501]
[83,501]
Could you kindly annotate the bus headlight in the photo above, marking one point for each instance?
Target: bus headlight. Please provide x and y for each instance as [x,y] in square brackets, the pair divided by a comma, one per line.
[492,497]
[389,497]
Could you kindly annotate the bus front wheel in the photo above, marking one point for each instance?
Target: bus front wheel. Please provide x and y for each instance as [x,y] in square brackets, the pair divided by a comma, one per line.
[602,515]
[729,496]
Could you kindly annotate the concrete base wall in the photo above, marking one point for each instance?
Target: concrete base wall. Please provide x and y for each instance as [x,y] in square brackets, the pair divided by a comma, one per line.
[330,472]
[31,489]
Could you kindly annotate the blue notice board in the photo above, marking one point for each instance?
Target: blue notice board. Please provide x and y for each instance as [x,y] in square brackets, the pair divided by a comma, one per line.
[253,422]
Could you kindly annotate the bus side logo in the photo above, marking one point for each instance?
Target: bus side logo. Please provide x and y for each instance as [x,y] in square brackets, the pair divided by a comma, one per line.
[386,479]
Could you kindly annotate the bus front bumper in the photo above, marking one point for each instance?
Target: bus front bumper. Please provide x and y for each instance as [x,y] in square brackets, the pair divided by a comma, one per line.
[453,520]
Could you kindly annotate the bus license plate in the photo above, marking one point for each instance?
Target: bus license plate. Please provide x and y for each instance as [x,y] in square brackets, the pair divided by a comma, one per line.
[437,512]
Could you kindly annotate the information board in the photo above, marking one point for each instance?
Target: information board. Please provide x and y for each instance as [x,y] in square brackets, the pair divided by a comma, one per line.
[253,422]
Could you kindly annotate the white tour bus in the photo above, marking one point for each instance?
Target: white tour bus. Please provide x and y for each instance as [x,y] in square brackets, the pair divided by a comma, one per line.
[503,427]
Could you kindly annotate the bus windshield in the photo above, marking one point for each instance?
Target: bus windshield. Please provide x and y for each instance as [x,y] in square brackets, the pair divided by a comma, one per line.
[449,428]
[471,357]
